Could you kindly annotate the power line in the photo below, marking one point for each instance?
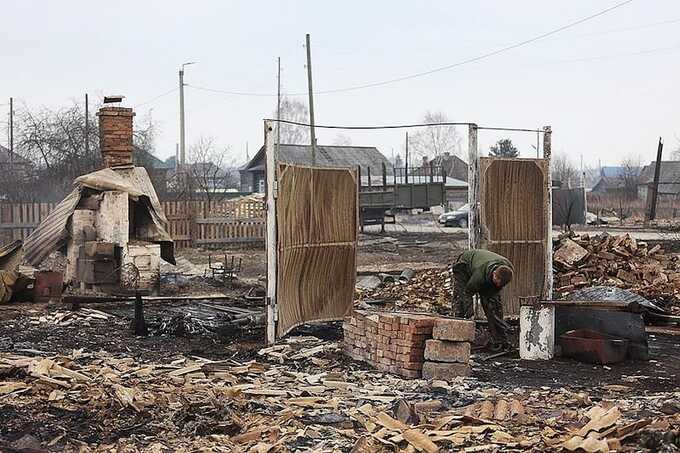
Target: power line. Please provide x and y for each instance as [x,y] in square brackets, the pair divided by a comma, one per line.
[238,93]
[483,56]
[572,60]
[406,126]
[398,126]
[435,70]
[156,98]
[619,30]
[627,54]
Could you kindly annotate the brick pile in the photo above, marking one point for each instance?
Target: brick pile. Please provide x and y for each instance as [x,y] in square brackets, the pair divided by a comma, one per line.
[115,132]
[447,354]
[394,342]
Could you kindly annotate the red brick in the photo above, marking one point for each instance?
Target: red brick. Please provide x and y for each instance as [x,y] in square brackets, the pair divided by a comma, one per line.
[447,351]
[411,365]
[453,329]
[410,374]
[445,371]
[415,356]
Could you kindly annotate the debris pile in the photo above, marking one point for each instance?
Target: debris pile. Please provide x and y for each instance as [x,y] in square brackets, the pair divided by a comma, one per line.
[300,396]
[428,290]
[619,261]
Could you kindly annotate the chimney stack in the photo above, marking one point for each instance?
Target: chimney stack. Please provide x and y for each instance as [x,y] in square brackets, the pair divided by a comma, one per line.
[115,135]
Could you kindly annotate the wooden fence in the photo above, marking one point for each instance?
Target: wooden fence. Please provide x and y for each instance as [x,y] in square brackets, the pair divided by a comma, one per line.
[190,222]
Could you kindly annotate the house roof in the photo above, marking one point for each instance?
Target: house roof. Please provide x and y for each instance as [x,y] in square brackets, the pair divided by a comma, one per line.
[611,171]
[608,183]
[327,156]
[146,159]
[669,176]
[6,156]
[670,172]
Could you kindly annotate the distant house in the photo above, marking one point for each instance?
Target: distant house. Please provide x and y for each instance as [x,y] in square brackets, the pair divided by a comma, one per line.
[669,179]
[608,185]
[13,163]
[454,166]
[612,171]
[616,181]
[366,157]
[155,167]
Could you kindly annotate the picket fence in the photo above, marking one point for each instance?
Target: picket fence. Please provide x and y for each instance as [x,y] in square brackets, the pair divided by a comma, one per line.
[191,223]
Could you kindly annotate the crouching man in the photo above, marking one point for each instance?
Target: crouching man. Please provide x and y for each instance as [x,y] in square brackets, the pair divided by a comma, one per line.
[484,273]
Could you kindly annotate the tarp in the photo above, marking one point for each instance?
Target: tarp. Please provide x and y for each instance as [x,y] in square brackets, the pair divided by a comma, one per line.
[52,232]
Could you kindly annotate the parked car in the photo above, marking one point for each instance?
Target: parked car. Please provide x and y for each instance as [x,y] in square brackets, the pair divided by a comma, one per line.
[458,217]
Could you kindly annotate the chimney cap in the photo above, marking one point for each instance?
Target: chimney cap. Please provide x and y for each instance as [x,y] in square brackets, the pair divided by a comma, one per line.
[113,99]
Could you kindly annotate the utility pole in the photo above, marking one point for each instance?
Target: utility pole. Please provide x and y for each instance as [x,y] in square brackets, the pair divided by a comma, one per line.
[278,111]
[87,126]
[406,167]
[311,101]
[181,116]
[182,131]
[655,185]
[11,132]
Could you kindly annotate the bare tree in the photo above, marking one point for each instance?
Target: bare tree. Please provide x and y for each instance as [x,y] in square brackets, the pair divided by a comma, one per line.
[630,175]
[296,111]
[564,170]
[54,142]
[434,141]
[206,174]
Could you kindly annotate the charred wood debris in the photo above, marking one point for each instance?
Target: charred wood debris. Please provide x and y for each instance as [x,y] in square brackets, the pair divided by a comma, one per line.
[303,394]
[578,262]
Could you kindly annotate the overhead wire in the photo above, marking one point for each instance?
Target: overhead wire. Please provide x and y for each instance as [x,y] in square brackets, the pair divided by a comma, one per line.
[157,97]
[431,71]
[405,126]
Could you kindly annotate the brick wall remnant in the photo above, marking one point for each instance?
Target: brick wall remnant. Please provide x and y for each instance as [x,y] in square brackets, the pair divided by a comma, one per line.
[398,343]
[115,135]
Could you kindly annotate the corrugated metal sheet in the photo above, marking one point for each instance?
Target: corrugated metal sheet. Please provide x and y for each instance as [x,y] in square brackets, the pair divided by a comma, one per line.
[52,232]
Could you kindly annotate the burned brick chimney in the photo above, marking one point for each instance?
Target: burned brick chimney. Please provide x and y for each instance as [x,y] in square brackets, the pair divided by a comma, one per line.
[115,135]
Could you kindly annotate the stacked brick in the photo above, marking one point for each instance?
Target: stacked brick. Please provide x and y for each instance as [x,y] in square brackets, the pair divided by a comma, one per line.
[447,354]
[398,343]
[391,342]
[115,131]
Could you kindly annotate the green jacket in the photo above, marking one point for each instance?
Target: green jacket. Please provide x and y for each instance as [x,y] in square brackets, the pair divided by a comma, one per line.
[478,265]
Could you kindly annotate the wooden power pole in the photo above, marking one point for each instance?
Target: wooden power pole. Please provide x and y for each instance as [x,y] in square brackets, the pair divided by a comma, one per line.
[311,101]
[87,126]
[655,185]
[11,132]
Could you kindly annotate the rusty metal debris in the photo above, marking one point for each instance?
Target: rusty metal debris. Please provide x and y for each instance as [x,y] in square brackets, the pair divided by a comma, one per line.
[593,347]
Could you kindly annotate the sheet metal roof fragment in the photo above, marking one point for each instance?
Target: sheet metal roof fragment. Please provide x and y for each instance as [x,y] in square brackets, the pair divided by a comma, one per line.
[52,232]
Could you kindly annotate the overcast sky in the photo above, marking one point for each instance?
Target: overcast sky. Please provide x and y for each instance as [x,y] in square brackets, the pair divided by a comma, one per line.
[609,87]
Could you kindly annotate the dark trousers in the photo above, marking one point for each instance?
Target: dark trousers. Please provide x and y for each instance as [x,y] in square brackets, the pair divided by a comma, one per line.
[463,307]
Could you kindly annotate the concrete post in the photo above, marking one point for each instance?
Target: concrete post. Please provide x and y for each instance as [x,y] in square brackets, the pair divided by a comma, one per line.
[473,188]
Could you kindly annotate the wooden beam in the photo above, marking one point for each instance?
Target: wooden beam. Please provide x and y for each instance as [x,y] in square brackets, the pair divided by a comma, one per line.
[271,239]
